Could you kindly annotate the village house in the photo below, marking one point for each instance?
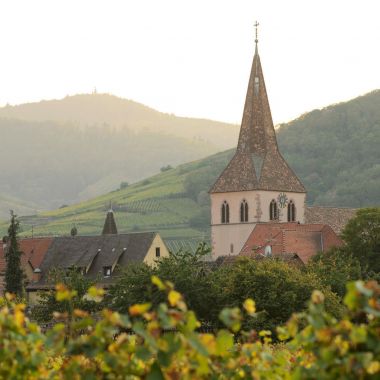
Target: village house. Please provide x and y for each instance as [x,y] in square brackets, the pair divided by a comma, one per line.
[101,258]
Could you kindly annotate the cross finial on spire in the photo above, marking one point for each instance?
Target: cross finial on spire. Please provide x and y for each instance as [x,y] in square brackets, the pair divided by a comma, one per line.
[256,25]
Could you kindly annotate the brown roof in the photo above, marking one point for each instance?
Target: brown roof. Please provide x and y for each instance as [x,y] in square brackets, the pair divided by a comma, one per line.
[93,253]
[305,240]
[335,217]
[257,163]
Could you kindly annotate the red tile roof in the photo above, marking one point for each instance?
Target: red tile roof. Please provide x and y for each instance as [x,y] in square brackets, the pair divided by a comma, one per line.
[33,252]
[305,240]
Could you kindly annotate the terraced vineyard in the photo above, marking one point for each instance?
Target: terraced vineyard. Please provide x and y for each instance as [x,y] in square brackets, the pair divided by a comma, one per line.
[166,203]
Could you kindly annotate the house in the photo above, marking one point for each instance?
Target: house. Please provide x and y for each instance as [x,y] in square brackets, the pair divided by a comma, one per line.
[33,251]
[101,258]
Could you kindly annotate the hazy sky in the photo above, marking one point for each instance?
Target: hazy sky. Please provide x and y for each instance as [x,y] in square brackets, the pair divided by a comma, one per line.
[191,58]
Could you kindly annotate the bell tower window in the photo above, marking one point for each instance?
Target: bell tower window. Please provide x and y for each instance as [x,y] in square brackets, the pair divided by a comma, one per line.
[291,212]
[273,210]
[244,211]
[225,213]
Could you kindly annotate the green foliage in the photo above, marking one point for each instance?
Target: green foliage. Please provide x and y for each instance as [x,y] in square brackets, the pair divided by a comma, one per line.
[74,231]
[165,168]
[76,284]
[123,185]
[362,236]
[328,348]
[278,289]
[164,342]
[14,276]
[335,268]
[186,270]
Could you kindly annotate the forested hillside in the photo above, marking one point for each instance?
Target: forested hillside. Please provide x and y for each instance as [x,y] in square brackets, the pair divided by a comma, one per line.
[336,152]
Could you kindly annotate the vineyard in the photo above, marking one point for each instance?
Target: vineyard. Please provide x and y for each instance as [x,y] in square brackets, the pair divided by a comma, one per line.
[165,343]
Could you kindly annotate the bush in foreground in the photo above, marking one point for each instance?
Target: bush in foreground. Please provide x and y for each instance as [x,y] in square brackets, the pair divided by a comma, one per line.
[165,343]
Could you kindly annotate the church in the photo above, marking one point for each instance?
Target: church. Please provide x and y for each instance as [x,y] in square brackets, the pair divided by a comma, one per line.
[257,186]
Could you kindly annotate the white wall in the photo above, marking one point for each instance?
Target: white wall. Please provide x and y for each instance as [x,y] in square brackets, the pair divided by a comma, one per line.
[236,233]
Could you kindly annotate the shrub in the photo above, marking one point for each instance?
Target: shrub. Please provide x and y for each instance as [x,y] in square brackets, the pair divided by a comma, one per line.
[163,342]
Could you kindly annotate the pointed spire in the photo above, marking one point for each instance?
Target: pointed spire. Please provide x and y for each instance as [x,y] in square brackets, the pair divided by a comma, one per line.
[257,163]
[257,135]
[109,227]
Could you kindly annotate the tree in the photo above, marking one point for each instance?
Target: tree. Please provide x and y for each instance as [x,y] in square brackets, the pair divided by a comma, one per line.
[13,274]
[335,268]
[75,282]
[190,274]
[362,236]
[279,289]
[74,231]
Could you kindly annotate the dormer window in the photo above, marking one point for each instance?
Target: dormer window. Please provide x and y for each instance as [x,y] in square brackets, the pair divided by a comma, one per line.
[225,213]
[107,271]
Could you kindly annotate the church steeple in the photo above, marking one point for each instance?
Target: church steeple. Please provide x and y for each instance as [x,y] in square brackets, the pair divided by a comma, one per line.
[257,163]
[109,227]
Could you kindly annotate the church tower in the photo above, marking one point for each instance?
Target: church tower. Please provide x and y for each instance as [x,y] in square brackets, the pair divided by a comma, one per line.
[257,185]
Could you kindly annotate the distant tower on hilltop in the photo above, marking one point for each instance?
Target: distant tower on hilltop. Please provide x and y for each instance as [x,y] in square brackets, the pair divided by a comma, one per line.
[257,185]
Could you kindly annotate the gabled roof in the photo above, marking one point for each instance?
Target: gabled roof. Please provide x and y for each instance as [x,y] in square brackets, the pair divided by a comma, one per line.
[257,163]
[33,252]
[93,253]
[335,217]
[305,240]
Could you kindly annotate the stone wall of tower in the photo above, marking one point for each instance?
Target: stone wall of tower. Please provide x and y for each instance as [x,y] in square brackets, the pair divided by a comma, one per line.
[228,238]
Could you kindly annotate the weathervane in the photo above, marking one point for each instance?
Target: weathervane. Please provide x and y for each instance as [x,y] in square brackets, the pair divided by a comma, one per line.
[256,25]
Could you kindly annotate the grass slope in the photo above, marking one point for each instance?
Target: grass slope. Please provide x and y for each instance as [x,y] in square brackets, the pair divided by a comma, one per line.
[161,203]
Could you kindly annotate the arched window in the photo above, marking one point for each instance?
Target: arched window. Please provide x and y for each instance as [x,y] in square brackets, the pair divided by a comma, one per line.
[225,212]
[273,211]
[291,212]
[244,211]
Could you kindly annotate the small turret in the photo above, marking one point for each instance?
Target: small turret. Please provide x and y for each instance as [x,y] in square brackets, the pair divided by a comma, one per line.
[109,227]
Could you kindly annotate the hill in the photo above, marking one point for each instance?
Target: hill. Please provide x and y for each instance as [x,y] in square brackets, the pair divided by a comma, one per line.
[169,202]
[334,151]
[65,151]
[88,110]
